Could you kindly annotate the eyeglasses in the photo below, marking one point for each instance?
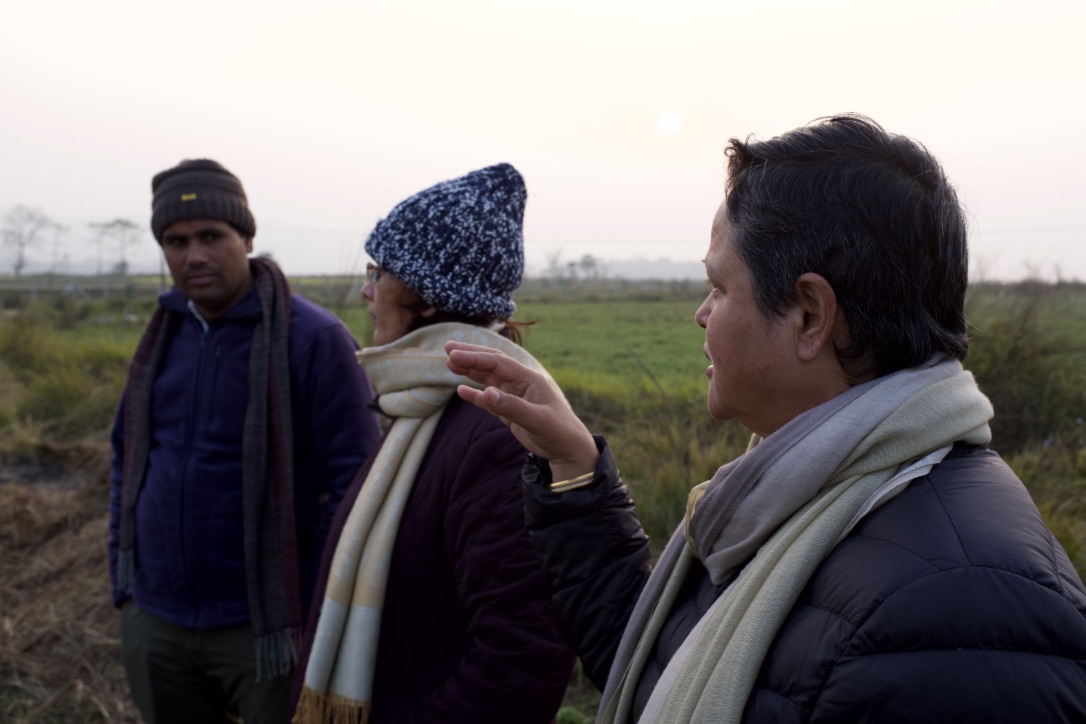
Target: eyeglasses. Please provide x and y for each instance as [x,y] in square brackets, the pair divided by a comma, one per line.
[373,273]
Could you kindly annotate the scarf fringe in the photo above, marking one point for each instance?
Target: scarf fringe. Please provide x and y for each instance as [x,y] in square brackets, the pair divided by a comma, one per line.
[276,654]
[315,707]
[126,571]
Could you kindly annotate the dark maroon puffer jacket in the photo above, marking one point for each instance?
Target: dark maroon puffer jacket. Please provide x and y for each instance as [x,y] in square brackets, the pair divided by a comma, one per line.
[468,633]
[950,603]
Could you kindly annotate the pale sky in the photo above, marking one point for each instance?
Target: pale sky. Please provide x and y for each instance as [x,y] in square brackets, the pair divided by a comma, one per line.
[616,113]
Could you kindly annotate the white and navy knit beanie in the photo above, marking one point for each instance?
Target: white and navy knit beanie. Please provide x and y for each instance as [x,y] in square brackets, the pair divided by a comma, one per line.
[459,244]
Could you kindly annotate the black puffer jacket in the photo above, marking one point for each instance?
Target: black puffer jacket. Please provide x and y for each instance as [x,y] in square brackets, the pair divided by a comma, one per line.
[950,603]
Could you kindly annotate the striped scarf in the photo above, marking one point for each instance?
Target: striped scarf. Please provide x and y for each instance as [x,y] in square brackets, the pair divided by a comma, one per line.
[775,513]
[413,385]
[271,551]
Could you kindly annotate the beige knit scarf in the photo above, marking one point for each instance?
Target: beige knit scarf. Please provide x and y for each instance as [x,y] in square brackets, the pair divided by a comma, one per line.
[775,513]
[414,386]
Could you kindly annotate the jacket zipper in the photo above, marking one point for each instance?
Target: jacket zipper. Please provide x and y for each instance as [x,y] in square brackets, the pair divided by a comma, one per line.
[191,426]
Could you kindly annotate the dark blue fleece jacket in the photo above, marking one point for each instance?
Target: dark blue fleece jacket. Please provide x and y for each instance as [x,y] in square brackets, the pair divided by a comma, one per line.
[190,564]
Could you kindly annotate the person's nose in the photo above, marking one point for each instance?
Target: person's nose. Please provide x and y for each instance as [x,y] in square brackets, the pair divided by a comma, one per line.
[702,315]
[197,255]
[367,291]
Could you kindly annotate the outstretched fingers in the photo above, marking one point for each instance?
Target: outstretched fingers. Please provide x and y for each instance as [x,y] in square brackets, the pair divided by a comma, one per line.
[526,400]
[486,366]
[512,390]
[510,408]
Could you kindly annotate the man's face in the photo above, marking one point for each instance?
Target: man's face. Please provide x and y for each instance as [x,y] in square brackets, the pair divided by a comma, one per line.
[209,262]
[751,355]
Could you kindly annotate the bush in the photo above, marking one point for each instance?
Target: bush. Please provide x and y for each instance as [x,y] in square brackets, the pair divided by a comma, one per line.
[59,390]
[1026,355]
[1054,472]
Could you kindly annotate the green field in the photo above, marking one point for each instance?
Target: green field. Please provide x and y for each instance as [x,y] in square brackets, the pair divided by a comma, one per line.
[598,345]
[629,358]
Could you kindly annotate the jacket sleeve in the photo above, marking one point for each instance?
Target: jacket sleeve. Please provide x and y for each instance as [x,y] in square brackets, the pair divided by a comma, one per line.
[515,662]
[595,556]
[335,397]
[115,469]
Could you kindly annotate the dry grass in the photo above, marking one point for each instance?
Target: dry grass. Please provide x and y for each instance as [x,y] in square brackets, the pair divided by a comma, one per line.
[60,658]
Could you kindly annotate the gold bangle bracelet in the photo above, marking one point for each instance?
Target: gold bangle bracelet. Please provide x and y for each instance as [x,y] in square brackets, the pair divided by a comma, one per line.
[578,482]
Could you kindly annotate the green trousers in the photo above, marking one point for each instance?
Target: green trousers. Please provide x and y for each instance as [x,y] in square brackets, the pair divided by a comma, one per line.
[182,675]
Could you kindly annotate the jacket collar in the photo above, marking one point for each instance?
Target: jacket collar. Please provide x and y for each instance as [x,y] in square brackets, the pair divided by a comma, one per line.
[245,309]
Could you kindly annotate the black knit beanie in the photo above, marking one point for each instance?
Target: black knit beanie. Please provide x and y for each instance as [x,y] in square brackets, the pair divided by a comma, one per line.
[199,189]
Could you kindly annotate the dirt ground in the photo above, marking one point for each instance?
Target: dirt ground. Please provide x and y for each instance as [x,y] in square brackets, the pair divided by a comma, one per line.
[60,657]
[60,651]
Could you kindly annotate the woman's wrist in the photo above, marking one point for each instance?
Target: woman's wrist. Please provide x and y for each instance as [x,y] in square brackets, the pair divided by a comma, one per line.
[566,471]
[580,481]
[578,464]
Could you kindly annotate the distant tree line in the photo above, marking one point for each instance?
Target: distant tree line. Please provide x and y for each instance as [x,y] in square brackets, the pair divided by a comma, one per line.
[587,267]
[25,228]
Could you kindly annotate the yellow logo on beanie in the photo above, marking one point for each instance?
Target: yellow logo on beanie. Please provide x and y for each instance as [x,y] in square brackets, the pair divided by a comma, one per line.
[188,197]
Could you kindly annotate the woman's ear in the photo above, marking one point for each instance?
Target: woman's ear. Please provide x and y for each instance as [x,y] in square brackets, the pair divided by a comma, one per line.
[428,312]
[816,308]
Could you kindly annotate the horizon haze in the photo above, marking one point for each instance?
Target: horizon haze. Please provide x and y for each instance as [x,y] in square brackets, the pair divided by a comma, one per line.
[616,113]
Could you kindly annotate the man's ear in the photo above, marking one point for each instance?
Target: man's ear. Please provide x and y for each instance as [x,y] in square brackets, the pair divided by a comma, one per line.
[816,309]
[428,312]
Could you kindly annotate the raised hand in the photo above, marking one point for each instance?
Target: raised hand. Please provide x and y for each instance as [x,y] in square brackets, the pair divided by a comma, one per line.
[530,403]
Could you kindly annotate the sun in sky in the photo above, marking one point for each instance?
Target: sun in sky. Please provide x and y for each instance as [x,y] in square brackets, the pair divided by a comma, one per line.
[669,123]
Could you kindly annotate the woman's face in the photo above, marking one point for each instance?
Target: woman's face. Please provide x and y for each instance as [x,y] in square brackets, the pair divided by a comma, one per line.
[393,308]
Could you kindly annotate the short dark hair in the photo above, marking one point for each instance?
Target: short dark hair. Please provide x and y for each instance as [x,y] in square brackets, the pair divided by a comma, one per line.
[874,214]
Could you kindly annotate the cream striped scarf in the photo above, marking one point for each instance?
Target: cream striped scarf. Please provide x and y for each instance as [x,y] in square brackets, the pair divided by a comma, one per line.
[414,386]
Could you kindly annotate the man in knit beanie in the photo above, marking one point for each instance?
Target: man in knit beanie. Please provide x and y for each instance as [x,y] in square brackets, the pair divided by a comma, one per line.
[241,427]
[200,200]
